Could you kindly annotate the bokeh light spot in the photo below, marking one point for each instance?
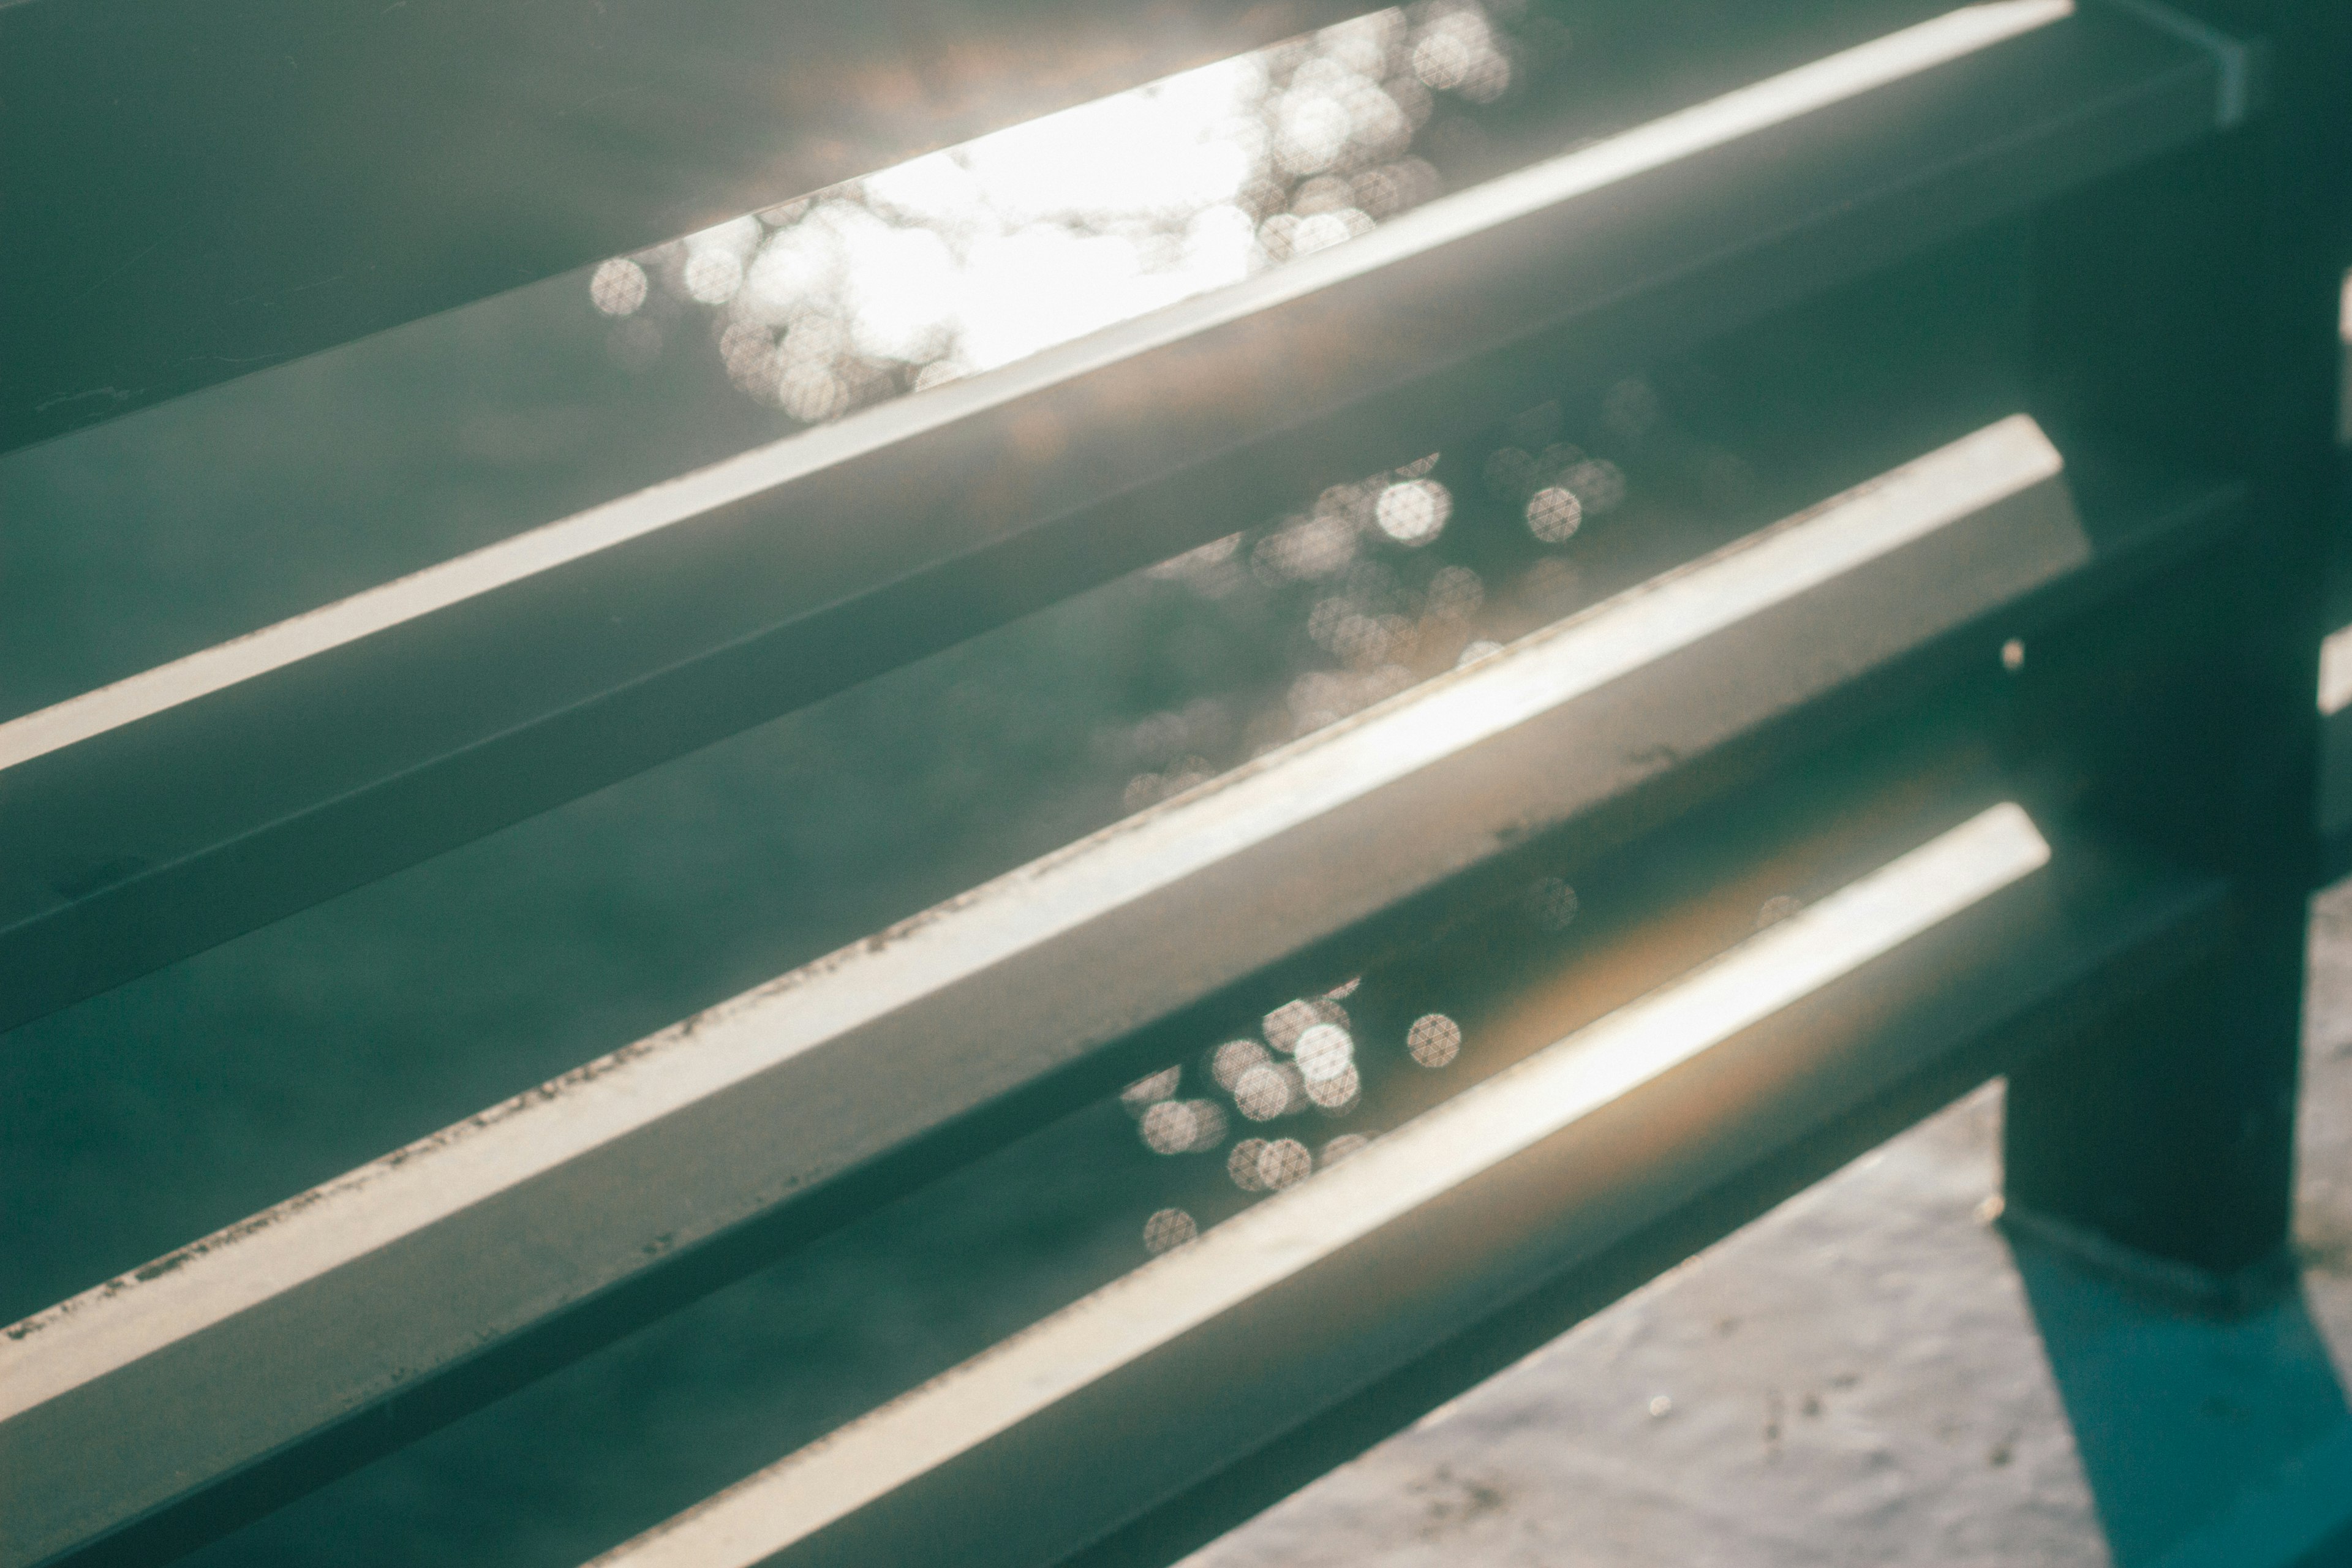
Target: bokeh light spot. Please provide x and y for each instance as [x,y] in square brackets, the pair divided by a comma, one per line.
[1415,511]
[617,287]
[1551,903]
[1229,1061]
[1182,1126]
[1598,484]
[1433,1040]
[1336,1095]
[1150,1090]
[711,277]
[1554,514]
[1287,1022]
[1325,1051]
[1262,1092]
[1169,1229]
[1284,1163]
[1342,1146]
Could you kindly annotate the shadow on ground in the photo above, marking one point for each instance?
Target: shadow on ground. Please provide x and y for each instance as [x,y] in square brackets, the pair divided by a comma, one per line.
[2183,1423]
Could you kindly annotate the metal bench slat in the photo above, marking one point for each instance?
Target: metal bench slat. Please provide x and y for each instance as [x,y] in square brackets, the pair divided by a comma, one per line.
[145,1393]
[173,810]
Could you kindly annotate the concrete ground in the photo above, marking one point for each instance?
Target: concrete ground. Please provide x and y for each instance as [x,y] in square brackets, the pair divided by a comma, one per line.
[1871,1374]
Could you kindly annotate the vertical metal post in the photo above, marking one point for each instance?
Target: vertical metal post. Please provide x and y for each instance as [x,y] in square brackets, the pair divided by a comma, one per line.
[2188,310]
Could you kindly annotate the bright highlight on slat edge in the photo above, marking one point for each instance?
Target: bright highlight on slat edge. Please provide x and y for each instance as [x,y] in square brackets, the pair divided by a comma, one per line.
[1258,1248]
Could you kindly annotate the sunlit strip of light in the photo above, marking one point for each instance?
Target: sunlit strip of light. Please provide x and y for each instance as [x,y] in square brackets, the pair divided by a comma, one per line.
[1685,133]
[2335,672]
[1027,909]
[1258,1249]
[2343,380]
